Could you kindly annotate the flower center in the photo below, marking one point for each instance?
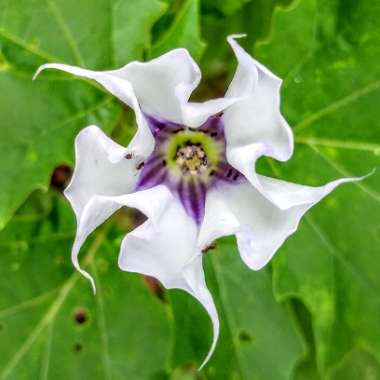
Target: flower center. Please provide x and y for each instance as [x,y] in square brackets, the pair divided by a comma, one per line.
[192,154]
[189,161]
[192,160]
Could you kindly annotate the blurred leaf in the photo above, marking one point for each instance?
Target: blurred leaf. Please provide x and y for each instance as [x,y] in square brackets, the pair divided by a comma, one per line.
[184,32]
[328,53]
[258,339]
[252,19]
[40,119]
[228,7]
[357,365]
[133,21]
[54,327]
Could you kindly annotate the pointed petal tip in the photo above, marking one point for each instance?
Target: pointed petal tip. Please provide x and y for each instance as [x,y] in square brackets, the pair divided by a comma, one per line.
[87,276]
[43,67]
[372,172]
[212,348]
[232,37]
[341,181]
[38,72]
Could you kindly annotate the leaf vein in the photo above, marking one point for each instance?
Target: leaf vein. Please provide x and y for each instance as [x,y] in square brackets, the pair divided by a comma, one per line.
[334,106]
[49,316]
[54,10]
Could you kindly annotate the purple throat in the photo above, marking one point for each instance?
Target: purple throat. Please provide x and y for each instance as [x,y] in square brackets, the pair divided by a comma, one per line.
[189,161]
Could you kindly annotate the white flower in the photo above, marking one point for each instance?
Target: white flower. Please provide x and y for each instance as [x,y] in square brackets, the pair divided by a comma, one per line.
[190,169]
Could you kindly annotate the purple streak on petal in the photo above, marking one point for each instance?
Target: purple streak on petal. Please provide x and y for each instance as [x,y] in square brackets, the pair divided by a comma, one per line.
[160,126]
[155,124]
[192,195]
[153,173]
[154,159]
[214,128]
[150,181]
[226,173]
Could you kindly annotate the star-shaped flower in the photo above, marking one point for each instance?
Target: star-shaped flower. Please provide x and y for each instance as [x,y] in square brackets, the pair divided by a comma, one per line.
[190,169]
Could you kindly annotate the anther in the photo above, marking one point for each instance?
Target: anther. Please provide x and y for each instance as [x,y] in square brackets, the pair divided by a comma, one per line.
[229,173]
[192,159]
[236,176]
[214,134]
[164,163]
[128,156]
[204,160]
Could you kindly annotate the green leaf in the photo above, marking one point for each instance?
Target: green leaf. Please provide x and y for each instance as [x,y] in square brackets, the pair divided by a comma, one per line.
[184,32]
[252,19]
[228,7]
[54,326]
[40,119]
[357,365]
[133,21]
[328,54]
[258,339]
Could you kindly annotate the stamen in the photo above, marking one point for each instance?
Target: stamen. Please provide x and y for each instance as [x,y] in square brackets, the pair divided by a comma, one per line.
[192,159]
[140,165]
[128,156]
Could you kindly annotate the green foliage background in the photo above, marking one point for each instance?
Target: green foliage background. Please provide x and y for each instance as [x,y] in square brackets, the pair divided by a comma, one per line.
[313,313]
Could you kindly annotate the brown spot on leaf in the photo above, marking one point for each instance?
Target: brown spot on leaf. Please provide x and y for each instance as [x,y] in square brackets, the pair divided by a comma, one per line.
[77,347]
[80,316]
[245,337]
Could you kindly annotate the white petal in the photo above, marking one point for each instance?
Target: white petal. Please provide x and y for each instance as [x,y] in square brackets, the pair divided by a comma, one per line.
[100,207]
[95,212]
[195,114]
[196,286]
[142,143]
[165,247]
[100,169]
[160,87]
[259,225]
[163,87]
[163,84]
[254,125]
